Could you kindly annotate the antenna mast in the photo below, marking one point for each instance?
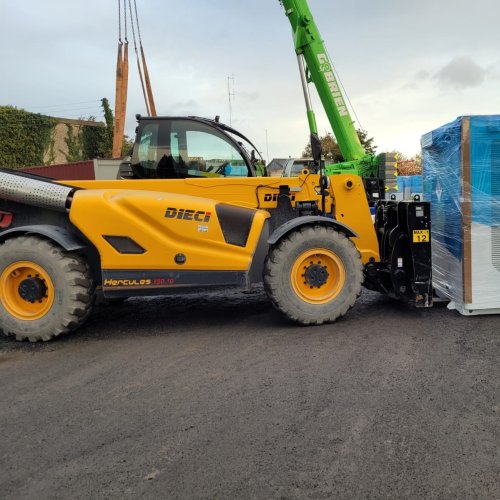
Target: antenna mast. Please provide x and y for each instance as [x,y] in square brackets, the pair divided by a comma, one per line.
[231,97]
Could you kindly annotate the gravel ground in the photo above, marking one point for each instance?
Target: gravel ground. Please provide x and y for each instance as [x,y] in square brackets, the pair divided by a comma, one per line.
[219,397]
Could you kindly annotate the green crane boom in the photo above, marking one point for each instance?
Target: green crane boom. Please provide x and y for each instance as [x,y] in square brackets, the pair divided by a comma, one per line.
[315,66]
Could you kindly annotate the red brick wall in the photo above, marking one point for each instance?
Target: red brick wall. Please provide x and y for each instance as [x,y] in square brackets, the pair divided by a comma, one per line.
[83,170]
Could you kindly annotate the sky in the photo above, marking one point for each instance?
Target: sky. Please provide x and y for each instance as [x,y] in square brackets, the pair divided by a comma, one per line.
[407,66]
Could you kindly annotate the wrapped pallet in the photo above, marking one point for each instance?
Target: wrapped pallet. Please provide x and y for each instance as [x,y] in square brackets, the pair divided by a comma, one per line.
[461,178]
[409,186]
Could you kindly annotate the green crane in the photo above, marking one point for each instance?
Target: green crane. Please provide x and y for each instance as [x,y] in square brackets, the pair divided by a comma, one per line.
[315,66]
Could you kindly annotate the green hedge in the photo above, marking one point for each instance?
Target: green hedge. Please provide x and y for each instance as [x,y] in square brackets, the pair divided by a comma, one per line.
[24,137]
[27,138]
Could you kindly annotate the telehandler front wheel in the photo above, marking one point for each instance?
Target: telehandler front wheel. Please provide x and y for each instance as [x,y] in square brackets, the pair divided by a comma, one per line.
[44,291]
[313,275]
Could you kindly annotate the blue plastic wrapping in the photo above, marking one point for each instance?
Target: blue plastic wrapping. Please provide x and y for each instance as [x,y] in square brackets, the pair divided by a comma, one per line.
[461,179]
[409,185]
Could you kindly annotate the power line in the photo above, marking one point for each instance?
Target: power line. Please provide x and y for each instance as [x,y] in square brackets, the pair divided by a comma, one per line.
[58,110]
[6,123]
[61,111]
[62,105]
[38,117]
[65,112]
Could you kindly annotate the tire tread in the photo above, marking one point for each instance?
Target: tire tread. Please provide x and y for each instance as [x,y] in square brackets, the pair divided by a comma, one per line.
[273,269]
[77,276]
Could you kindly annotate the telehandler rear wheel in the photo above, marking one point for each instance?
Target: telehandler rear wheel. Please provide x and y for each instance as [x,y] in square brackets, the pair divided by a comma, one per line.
[44,291]
[313,275]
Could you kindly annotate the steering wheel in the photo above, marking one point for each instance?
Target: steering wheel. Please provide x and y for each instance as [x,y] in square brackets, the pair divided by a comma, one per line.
[222,168]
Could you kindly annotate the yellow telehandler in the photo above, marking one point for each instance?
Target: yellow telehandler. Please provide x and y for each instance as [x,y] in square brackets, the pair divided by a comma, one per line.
[193,215]
[310,239]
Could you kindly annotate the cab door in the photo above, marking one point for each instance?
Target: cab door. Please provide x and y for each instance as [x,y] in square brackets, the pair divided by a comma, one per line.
[181,148]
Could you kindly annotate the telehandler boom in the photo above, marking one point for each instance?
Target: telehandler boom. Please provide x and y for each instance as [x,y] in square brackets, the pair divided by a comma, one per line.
[315,66]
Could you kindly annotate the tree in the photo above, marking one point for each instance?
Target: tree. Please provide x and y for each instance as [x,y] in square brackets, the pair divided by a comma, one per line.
[409,166]
[331,149]
[418,160]
[127,146]
[97,142]
[367,142]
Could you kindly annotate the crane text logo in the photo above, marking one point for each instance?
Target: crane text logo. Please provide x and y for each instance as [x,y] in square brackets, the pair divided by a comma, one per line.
[326,69]
[184,214]
[274,197]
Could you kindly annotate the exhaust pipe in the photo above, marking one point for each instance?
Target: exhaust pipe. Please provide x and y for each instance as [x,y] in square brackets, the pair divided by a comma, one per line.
[35,192]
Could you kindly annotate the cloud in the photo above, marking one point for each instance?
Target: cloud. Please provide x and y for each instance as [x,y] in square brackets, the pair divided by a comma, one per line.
[187,107]
[461,73]
[248,96]
[422,75]
[418,78]
[493,71]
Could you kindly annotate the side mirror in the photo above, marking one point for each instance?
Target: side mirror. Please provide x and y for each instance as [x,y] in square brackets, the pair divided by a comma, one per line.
[316,149]
[125,171]
[260,169]
[258,165]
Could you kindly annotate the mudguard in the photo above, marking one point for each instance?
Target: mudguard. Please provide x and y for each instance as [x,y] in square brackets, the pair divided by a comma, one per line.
[307,220]
[57,234]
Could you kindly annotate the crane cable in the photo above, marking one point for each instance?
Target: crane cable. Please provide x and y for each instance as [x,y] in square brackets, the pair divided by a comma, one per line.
[118,90]
[125,78]
[353,109]
[122,70]
[138,62]
[144,65]
[121,84]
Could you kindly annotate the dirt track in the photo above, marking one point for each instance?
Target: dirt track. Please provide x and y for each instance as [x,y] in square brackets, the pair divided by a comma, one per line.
[220,397]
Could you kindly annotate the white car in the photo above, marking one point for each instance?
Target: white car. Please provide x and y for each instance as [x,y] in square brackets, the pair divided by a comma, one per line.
[294,166]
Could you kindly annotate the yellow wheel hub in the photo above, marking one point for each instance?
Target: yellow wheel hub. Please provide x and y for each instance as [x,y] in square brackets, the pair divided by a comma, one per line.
[317,276]
[26,290]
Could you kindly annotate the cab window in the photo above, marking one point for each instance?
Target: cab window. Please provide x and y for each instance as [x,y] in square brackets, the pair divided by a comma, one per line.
[297,168]
[147,146]
[172,149]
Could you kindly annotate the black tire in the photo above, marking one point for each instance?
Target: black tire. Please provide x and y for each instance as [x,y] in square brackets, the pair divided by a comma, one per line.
[68,289]
[327,301]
